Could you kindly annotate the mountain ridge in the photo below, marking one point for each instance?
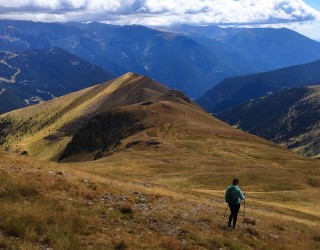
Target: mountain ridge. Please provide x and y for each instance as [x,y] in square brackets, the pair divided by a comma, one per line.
[33,76]
[45,130]
[236,90]
[267,48]
[290,118]
[66,114]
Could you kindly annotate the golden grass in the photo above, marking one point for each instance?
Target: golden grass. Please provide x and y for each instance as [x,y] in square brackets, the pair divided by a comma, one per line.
[64,207]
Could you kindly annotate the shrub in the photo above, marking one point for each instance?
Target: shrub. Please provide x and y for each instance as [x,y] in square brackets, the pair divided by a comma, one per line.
[120,245]
[126,209]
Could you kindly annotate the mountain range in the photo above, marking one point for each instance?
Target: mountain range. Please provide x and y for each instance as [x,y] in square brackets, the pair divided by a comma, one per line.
[235,91]
[179,61]
[262,49]
[33,76]
[192,62]
[290,118]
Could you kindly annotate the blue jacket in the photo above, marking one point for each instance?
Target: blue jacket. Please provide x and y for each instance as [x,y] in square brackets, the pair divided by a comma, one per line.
[233,195]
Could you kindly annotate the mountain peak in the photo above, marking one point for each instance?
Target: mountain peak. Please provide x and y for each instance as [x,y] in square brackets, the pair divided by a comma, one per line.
[130,75]
[64,116]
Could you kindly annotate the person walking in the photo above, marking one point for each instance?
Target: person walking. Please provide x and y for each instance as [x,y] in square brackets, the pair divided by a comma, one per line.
[233,196]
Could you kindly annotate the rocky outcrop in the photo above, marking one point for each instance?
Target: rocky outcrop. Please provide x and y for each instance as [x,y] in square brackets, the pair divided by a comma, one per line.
[103,134]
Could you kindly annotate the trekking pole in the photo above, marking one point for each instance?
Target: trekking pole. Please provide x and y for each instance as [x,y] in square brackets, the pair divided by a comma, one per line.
[225,214]
[244,212]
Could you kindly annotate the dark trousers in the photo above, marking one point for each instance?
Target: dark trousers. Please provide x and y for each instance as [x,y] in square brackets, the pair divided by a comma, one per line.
[234,208]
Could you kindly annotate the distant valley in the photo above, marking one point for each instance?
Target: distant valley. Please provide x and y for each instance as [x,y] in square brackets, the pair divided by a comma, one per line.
[30,77]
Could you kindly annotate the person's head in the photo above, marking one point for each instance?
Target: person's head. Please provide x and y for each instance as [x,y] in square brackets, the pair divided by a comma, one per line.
[235,182]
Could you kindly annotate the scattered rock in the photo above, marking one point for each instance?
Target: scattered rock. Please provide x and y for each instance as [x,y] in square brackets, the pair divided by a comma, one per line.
[133,143]
[204,220]
[24,153]
[250,220]
[146,103]
[103,217]
[176,93]
[253,231]
[153,143]
[185,215]
[182,233]
[123,198]
[142,206]
[89,203]
[274,236]
[50,171]
[146,185]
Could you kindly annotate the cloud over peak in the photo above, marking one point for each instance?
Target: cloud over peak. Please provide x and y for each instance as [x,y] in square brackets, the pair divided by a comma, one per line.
[160,12]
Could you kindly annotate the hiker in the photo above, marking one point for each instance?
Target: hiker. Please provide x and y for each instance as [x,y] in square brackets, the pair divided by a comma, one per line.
[232,197]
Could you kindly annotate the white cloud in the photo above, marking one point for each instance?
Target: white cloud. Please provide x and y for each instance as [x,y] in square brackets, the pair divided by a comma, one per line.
[160,12]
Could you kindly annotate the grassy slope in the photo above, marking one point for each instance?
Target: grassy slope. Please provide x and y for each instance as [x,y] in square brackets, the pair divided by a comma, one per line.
[166,196]
[62,117]
[60,206]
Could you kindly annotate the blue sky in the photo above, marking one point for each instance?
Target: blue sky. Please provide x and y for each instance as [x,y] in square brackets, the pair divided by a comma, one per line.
[314,3]
[302,16]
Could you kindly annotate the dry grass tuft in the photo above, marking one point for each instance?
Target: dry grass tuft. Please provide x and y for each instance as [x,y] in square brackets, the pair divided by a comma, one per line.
[250,220]
[279,227]
[313,182]
[253,231]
